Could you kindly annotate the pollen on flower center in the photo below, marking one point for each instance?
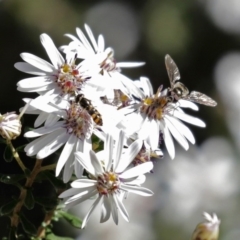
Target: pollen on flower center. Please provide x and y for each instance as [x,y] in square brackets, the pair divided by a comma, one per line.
[79,122]
[69,79]
[108,183]
[154,107]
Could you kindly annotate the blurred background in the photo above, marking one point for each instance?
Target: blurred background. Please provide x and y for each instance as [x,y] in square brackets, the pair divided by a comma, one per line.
[203,38]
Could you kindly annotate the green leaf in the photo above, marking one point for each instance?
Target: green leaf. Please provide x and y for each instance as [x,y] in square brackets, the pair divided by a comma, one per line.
[12,234]
[73,220]
[11,179]
[56,182]
[49,203]
[8,207]
[29,200]
[52,236]
[21,148]
[8,156]
[3,141]
[28,227]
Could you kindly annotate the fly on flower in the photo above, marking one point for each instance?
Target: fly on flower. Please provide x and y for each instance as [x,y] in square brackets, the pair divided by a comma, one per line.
[87,105]
[179,91]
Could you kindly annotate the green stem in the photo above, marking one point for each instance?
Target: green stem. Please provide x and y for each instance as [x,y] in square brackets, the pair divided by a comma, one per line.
[16,156]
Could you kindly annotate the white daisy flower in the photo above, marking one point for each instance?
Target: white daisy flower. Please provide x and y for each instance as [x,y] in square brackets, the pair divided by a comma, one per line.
[207,230]
[100,61]
[155,115]
[74,130]
[110,179]
[62,77]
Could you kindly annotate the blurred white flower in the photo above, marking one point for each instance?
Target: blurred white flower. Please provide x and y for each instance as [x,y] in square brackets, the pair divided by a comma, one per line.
[110,179]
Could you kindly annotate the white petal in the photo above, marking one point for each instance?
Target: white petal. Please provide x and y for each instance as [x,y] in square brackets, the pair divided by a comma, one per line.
[96,163]
[121,207]
[106,210]
[35,82]
[130,154]
[43,130]
[82,199]
[108,150]
[53,53]
[147,86]
[28,68]
[83,183]
[168,141]
[130,64]
[66,152]
[95,204]
[84,160]
[137,190]
[119,148]
[40,119]
[90,34]
[53,146]
[138,170]
[37,62]
[101,45]
[114,209]
[187,104]
[187,118]
[69,192]
[177,134]
[68,168]
[184,129]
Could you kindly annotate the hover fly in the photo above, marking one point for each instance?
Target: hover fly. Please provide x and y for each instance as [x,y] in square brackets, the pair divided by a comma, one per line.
[179,91]
[87,105]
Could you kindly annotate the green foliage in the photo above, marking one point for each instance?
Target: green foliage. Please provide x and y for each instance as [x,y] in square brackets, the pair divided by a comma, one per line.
[29,200]
[7,155]
[8,207]
[12,179]
[28,227]
[73,220]
[47,203]
[56,182]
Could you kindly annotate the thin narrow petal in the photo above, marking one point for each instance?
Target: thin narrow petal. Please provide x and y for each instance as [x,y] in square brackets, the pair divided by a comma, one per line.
[114,209]
[119,149]
[108,150]
[187,118]
[130,64]
[66,152]
[43,130]
[95,204]
[187,104]
[121,207]
[137,190]
[69,192]
[37,62]
[85,162]
[106,210]
[53,53]
[90,34]
[138,170]
[184,129]
[53,146]
[176,134]
[83,183]
[28,68]
[147,86]
[130,154]
[168,142]
[96,163]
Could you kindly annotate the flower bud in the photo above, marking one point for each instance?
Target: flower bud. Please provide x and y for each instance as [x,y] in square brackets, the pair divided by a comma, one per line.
[208,230]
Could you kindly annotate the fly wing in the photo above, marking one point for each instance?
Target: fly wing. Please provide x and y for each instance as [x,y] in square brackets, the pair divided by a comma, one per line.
[201,98]
[172,70]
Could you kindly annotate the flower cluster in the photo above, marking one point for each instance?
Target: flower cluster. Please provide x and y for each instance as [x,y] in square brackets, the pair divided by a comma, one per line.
[84,95]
